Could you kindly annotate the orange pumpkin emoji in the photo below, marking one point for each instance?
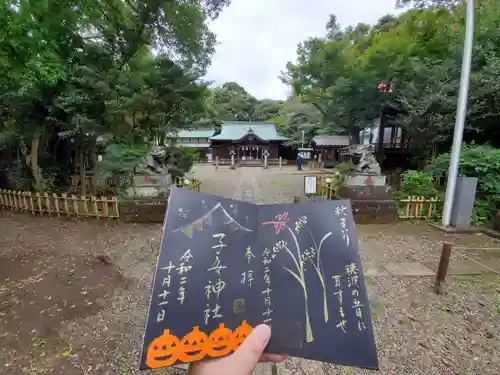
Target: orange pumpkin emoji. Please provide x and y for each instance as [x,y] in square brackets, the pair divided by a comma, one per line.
[220,342]
[241,333]
[163,350]
[193,345]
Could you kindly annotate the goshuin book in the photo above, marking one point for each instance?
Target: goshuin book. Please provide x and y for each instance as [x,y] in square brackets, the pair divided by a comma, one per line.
[226,266]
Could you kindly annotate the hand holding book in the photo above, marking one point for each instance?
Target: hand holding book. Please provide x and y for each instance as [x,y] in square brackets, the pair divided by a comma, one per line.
[244,360]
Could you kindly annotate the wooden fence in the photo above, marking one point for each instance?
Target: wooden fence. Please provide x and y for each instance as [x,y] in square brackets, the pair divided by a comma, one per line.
[72,205]
[419,208]
[412,207]
[191,184]
[326,190]
[53,204]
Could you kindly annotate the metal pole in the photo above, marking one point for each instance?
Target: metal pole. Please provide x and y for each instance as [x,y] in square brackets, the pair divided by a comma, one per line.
[461,114]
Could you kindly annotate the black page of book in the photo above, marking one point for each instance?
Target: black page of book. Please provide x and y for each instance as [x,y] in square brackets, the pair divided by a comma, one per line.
[226,266]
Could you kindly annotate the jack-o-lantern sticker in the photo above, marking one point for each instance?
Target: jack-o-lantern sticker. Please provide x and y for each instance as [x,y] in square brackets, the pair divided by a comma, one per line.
[220,342]
[241,333]
[193,345]
[163,350]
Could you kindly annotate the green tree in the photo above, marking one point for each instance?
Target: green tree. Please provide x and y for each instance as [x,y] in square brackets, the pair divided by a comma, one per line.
[329,76]
[296,117]
[77,70]
[231,102]
[418,55]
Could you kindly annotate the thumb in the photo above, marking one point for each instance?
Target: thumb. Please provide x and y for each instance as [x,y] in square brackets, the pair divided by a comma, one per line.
[248,354]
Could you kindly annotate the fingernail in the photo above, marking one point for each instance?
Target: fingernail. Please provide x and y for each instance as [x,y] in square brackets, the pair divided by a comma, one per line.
[263,332]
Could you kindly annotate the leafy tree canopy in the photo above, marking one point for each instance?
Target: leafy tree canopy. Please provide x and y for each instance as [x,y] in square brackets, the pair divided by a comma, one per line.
[79,70]
[412,61]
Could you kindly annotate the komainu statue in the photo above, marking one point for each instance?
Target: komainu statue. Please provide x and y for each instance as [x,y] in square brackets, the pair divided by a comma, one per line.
[153,162]
[363,160]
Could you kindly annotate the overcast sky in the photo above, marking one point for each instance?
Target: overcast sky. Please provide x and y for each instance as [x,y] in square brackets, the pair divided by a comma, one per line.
[258,37]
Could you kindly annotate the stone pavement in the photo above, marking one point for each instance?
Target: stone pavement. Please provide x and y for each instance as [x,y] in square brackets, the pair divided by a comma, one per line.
[252,184]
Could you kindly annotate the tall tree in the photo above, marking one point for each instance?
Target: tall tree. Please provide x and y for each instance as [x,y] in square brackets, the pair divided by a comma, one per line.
[418,56]
[328,75]
[80,69]
[231,102]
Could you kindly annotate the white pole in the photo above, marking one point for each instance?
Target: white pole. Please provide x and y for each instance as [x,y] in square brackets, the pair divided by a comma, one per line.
[303,138]
[461,114]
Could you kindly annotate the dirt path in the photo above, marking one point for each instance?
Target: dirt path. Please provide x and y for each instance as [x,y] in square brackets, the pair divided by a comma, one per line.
[64,311]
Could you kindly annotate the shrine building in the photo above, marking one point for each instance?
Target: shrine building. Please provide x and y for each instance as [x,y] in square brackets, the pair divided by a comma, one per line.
[248,141]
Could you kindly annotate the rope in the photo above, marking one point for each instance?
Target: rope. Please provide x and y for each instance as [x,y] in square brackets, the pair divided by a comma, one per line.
[475,261]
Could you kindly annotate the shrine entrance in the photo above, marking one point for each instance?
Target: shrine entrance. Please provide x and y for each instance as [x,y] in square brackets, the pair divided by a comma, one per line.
[248,150]
[249,153]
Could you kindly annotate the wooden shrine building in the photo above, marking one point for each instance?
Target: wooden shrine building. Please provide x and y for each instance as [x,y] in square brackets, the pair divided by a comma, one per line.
[249,142]
[392,141]
[197,139]
[328,147]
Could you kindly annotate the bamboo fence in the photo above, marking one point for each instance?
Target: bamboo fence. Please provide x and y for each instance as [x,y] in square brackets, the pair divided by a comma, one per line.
[70,204]
[57,205]
[192,184]
[414,207]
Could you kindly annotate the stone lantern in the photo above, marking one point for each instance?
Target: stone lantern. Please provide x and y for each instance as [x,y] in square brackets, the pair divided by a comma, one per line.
[266,154]
[232,153]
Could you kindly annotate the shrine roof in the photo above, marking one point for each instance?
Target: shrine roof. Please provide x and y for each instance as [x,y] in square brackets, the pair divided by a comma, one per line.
[331,140]
[195,133]
[235,130]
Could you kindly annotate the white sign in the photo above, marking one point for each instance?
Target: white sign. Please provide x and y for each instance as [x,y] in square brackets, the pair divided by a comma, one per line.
[309,185]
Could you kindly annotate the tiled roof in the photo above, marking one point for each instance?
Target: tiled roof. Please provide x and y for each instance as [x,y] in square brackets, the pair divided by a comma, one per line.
[234,130]
[331,140]
[195,133]
[194,145]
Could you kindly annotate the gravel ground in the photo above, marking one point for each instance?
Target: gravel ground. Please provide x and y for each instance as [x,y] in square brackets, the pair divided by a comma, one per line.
[65,311]
[407,241]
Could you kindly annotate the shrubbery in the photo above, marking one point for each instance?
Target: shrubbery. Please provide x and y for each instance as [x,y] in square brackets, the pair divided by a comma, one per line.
[482,162]
[416,183]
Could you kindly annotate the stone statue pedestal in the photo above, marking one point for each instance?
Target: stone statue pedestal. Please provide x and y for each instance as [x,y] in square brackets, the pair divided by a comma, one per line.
[149,185]
[371,198]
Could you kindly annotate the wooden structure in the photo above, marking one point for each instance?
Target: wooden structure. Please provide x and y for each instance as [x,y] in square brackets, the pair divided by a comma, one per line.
[392,141]
[197,139]
[419,207]
[249,142]
[53,204]
[84,206]
[327,148]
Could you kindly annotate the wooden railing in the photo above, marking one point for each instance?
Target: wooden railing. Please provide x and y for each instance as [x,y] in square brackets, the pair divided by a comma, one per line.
[413,207]
[419,208]
[326,190]
[270,161]
[192,184]
[53,204]
[72,205]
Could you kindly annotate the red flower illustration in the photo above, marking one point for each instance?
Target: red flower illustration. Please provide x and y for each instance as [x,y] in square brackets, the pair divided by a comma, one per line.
[280,221]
